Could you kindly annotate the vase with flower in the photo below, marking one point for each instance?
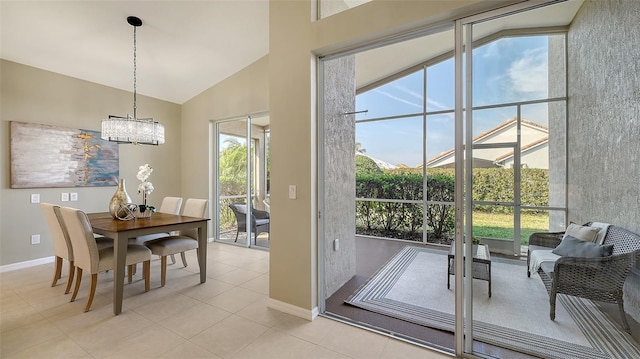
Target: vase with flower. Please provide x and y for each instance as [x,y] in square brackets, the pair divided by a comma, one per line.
[145,188]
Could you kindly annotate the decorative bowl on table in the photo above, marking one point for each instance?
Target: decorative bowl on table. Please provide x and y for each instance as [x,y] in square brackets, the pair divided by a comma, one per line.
[143,211]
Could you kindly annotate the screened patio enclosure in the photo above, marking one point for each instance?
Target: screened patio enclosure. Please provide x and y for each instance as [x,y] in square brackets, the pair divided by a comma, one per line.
[453,145]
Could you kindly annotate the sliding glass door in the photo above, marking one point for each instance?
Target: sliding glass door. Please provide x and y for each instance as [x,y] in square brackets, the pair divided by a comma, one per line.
[434,173]
[242,170]
[510,146]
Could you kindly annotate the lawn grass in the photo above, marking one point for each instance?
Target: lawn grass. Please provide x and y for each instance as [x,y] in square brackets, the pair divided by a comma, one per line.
[500,225]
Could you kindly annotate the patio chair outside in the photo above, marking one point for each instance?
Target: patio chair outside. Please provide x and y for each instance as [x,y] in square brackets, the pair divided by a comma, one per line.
[259,219]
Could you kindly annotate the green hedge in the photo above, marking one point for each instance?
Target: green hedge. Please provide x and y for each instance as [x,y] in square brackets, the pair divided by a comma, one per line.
[404,220]
[392,218]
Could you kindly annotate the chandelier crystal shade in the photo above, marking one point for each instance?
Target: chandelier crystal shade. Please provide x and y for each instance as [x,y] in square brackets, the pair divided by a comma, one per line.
[130,129]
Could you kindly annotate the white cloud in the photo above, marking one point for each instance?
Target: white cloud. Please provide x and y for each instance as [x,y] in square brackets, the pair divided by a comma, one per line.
[384,93]
[529,74]
[418,95]
[408,91]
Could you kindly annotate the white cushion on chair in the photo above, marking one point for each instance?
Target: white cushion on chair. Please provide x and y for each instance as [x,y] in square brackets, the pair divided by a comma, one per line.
[171,245]
[583,233]
[135,254]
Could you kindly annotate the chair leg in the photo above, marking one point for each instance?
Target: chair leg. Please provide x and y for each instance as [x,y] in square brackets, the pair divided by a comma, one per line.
[163,270]
[184,259]
[77,287]
[146,272]
[58,272]
[72,271]
[130,274]
[237,232]
[92,291]
[552,305]
[623,316]
[173,260]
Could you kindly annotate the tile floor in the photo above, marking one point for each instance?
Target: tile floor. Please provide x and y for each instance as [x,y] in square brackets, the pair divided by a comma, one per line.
[227,317]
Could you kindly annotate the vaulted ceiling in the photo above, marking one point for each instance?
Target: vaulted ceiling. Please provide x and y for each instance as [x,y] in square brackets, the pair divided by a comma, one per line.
[185,47]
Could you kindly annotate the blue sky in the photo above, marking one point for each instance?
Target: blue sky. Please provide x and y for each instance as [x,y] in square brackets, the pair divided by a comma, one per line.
[506,70]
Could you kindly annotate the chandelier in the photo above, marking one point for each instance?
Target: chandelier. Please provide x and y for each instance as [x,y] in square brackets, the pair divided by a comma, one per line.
[131,129]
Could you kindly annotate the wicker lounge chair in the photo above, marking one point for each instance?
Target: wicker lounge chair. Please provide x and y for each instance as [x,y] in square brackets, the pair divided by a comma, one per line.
[599,279]
[259,219]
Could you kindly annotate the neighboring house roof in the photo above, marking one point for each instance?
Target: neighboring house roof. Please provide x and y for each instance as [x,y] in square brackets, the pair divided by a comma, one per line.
[487,135]
[477,163]
[529,146]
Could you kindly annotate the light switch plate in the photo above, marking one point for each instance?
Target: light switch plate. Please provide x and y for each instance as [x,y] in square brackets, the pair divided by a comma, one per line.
[292,191]
[64,197]
[35,198]
[74,196]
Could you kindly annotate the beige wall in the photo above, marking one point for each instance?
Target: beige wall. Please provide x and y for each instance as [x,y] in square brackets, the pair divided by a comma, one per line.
[244,93]
[32,95]
[294,41]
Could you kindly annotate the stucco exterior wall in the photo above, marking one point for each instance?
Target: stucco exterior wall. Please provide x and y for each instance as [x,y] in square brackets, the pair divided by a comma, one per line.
[339,173]
[557,143]
[604,120]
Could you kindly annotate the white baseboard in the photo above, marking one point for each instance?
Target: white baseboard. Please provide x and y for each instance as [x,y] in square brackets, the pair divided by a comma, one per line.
[27,264]
[292,309]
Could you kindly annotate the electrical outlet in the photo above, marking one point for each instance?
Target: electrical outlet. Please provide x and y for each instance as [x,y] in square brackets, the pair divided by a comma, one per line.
[292,191]
[35,198]
[35,239]
[64,197]
[74,196]
[336,244]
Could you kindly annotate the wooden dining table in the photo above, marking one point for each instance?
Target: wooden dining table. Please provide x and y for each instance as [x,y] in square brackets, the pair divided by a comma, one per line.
[120,231]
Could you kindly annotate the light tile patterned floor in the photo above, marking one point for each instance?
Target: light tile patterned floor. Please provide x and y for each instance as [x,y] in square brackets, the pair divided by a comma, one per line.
[227,317]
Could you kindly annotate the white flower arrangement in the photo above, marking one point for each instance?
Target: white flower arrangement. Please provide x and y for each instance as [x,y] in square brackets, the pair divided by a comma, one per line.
[145,187]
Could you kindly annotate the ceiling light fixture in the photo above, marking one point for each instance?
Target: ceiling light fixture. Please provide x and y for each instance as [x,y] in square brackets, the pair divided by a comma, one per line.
[131,129]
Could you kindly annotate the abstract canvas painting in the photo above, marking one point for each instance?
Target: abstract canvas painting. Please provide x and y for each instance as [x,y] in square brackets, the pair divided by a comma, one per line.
[49,156]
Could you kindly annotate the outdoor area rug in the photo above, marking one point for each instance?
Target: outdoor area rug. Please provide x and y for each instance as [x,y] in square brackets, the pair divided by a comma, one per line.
[412,286]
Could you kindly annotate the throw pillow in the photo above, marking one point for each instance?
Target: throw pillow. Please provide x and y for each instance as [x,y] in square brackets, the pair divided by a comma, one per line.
[583,233]
[574,247]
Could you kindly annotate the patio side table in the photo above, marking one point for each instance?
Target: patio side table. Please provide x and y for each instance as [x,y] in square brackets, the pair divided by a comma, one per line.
[481,268]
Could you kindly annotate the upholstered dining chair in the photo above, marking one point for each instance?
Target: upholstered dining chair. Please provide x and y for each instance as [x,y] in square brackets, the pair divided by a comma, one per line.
[62,248]
[169,205]
[87,255]
[186,240]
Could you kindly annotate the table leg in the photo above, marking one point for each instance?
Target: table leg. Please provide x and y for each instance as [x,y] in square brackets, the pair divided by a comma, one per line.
[202,251]
[120,255]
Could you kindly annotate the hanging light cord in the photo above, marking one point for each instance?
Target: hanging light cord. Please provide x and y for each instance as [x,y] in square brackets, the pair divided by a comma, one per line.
[135,105]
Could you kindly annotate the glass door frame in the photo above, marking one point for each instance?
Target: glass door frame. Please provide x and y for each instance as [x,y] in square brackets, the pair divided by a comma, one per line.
[463,74]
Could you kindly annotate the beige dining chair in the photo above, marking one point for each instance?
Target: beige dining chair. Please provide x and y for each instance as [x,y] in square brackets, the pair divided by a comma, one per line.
[62,248]
[87,255]
[186,240]
[169,205]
